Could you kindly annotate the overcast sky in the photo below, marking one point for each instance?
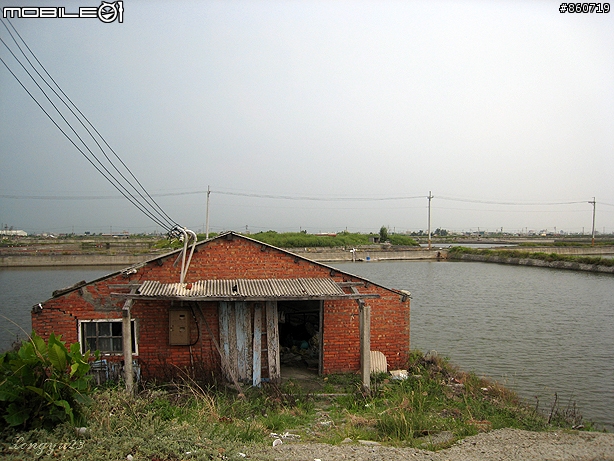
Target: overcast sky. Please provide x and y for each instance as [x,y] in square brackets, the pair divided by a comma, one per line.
[504,110]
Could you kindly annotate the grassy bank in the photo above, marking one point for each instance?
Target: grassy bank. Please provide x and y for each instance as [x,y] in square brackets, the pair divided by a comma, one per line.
[457,252]
[435,406]
[304,240]
[342,239]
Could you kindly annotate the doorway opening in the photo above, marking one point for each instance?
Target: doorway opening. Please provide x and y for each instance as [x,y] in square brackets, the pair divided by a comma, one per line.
[300,338]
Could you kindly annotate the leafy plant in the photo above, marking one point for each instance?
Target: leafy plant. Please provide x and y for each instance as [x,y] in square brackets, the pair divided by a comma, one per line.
[43,384]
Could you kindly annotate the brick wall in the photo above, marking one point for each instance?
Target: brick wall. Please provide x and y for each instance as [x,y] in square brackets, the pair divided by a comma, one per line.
[225,258]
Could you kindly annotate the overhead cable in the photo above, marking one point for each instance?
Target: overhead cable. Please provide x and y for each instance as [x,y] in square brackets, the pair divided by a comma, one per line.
[145,203]
[494,202]
[319,199]
[81,151]
[87,120]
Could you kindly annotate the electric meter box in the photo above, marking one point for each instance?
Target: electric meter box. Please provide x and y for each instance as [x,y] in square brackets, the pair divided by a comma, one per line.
[179,327]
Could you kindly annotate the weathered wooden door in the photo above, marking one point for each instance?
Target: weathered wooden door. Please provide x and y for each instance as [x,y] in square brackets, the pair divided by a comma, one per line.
[249,337]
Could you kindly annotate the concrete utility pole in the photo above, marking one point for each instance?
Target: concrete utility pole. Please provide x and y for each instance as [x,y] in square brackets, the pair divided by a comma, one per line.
[593,239]
[207,218]
[430,197]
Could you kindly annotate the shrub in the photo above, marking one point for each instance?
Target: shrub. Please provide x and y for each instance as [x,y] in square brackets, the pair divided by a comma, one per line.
[42,384]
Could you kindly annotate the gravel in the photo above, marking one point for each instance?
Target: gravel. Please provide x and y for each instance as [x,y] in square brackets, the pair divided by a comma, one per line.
[500,445]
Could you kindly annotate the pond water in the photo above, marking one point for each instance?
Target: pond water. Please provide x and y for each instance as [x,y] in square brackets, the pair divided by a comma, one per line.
[23,287]
[539,331]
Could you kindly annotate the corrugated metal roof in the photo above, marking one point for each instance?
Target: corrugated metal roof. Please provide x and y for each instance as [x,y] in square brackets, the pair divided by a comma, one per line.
[244,288]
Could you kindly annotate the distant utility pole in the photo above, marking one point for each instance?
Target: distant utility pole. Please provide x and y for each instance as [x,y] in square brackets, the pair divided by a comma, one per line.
[207,218]
[593,239]
[430,197]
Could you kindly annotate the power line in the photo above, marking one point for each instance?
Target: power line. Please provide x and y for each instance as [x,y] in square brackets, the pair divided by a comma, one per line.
[202,192]
[298,198]
[493,202]
[78,148]
[86,119]
[319,199]
[145,204]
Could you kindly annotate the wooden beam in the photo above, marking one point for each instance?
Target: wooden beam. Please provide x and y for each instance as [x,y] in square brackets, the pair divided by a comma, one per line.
[365,345]
[127,343]
[272,330]
[257,353]
[364,325]
[219,351]
[244,341]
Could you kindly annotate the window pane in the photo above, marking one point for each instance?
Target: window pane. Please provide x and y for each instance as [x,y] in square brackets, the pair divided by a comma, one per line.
[117,344]
[104,329]
[90,329]
[91,344]
[116,328]
[104,344]
[106,337]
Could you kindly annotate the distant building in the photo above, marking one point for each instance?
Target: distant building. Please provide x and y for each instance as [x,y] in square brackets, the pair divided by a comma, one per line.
[13,233]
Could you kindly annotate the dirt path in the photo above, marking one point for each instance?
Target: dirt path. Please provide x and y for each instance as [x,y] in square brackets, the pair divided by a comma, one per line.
[499,445]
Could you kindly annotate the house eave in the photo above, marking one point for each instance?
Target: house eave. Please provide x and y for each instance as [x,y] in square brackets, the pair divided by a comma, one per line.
[243,298]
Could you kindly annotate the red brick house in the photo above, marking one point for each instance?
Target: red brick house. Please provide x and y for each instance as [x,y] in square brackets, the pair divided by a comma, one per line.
[242,305]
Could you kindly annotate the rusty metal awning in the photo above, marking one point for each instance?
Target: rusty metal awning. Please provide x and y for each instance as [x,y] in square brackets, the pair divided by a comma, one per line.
[245,289]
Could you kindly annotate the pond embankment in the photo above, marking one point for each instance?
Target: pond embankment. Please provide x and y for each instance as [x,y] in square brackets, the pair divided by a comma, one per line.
[77,252]
[71,260]
[370,253]
[556,258]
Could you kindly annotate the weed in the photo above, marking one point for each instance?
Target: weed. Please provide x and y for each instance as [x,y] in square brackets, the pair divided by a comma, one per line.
[435,406]
[43,384]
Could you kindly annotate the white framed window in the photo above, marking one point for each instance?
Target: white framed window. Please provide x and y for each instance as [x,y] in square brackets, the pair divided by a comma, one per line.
[105,336]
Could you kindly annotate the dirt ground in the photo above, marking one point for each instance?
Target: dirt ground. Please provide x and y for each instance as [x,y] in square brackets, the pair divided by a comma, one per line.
[499,445]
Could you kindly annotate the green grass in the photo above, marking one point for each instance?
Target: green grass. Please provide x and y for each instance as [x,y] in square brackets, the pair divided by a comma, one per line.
[188,421]
[304,240]
[342,239]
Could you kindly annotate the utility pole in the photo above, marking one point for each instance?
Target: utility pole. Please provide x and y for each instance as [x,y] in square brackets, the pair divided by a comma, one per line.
[430,197]
[207,218]
[593,239]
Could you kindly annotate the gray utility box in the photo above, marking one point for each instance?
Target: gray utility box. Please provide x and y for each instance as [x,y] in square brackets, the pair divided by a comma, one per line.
[179,327]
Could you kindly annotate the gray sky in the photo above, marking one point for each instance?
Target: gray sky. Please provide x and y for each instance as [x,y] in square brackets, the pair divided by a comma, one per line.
[476,101]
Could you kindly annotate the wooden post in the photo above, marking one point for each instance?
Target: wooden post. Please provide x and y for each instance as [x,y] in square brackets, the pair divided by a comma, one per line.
[365,344]
[127,343]
[243,333]
[272,333]
[364,325]
[257,357]
[223,357]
